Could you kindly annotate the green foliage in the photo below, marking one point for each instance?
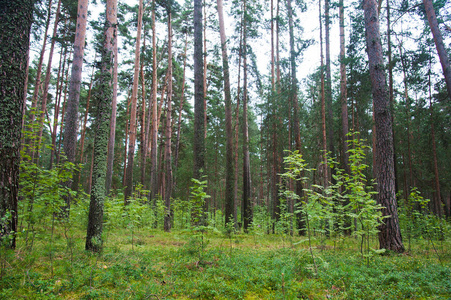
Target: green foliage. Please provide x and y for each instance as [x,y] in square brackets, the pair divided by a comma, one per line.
[161,268]
[417,221]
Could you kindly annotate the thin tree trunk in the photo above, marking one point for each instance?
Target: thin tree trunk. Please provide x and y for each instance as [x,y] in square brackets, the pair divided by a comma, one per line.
[63,113]
[37,85]
[182,101]
[112,138]
[143,145]
[199,128]
[437,194]
[59,87]
[441,50]
[83,130]
[323,103]
[205,69]
[247,208]
[47,78]
[168,144]
[294,97]
[70,128]
[389,232]
[228,118]
[330,117]
[343,90]
[154,129]
[132,127]
[127,122]
[237,121]
[408,117]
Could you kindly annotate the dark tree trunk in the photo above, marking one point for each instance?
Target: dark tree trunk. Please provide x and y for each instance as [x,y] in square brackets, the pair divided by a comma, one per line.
[443,55]
[228,116]
[247,208]
[389,232]
[15,22]
[199,129]
[103,99]
[343,91]
[323,104]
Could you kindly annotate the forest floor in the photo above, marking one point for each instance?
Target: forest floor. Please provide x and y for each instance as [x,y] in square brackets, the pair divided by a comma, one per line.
[151,264]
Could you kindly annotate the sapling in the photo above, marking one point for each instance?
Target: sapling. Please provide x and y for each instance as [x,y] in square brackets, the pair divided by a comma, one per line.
[362,207]
[198,216]
[295,170]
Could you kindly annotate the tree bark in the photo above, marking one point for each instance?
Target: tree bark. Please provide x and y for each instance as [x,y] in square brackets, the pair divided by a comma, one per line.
[103,97]
[59,88]
[16,18]
[437,193]
[323,104]
[199,128]
[330,117]
[343,90]
[132,127]
[247,208]
[294,98]
[71,119]
[182,101]
[228,118]
[168,143]
[112,139]
[389,232]
[154,128]
[443,55]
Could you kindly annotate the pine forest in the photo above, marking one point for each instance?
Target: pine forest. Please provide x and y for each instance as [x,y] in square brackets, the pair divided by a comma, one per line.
[241,149]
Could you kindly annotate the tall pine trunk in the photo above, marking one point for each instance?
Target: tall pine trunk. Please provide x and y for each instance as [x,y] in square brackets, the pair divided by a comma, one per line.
[443,55]
[16,18]
[228,118]
[323,104]
[71,119]
[343,90]
[103,99]
[199,128]
[294,98]
[132,126]
[247,208]
[389,232]
[168,143]
[154,127]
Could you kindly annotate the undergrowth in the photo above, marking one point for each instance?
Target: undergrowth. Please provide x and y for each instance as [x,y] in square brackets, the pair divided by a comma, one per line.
[158,265]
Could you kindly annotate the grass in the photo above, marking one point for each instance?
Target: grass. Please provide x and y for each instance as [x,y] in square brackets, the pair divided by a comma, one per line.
[160,265]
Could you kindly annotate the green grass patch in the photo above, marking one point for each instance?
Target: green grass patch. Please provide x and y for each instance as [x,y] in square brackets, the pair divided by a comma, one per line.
[158,265]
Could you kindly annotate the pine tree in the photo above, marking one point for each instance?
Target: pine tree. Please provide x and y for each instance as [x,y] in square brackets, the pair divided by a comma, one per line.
[16,17]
